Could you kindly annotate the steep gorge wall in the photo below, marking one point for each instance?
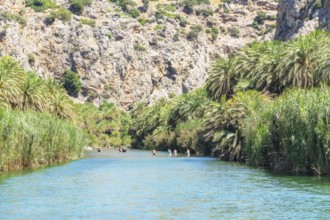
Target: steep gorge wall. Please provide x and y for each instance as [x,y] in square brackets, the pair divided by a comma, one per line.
[300,17]
[121,61]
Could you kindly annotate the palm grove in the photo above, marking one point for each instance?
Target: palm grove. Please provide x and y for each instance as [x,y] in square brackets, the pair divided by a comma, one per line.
[267,105]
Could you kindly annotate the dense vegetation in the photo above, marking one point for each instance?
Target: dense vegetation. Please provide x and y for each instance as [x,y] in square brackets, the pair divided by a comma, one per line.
[39,124]
[268,105]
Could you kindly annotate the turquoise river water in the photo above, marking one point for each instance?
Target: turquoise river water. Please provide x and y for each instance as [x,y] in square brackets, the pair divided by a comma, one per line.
[137,185]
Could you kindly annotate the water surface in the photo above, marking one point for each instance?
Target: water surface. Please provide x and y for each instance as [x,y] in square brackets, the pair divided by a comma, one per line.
[137,185]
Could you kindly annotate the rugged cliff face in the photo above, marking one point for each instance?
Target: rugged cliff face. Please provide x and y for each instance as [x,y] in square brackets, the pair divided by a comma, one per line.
[299,17]
[123,61]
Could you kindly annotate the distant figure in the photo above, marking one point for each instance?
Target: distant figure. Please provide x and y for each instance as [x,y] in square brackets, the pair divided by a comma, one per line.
[188,152]
[169,152]
[119,149]
[124,150]
[175,153]
[99,149]
[153,151]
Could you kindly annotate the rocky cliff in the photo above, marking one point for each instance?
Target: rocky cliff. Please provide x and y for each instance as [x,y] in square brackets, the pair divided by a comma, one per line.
[123,60]
[299,17]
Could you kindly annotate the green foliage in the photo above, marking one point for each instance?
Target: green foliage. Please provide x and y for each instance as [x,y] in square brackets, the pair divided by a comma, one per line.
[292,133]
[222,79]
[31,139]
[194,32]
[77,6]
[143,21]
[223,123]
[40,5]
[128,6]
[234,32]
[89,22]
[71,83]
[13,17]
[214,33]
[106,126]
[139,47]
[61,14]
[261,17]
[205,12]
[171,124]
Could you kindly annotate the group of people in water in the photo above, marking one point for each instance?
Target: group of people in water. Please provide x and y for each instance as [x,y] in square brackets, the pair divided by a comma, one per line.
[122,150]
[175,152]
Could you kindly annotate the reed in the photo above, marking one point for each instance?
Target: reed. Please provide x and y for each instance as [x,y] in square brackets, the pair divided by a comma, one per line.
[31,139]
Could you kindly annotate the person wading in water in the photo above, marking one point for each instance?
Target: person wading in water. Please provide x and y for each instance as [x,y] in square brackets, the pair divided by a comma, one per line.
[153,151]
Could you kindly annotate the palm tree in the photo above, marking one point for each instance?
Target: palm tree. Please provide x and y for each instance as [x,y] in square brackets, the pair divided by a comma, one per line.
[34,93]
[302,60]
[249,59]
[61,106]
[222,78]
[223,123]
[11,77]
[264,75]
[188,106]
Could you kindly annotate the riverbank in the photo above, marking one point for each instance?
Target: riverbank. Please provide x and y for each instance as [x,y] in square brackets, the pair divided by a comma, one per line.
[31,139]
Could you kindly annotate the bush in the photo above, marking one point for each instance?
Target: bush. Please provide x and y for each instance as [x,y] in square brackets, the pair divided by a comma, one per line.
[71,83]
[40,5]
[139,47]
[134,13]
[143,21]
[193,34]
[214,33]
[234,32]
[89,22]
[61,14]
[77,6]
[205,12]
[13,17]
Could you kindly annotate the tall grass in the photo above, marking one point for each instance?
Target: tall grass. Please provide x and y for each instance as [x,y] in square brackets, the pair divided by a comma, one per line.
[30,139]
[293,133]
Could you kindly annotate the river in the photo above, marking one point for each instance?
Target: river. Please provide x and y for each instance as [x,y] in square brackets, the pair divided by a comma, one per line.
[137,185]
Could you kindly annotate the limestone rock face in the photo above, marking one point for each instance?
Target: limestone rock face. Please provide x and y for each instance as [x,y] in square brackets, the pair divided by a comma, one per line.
[300,17]
[122,61]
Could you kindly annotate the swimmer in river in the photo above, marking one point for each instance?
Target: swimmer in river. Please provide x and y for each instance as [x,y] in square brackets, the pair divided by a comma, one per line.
[188,152]
[153,151]
[169,152]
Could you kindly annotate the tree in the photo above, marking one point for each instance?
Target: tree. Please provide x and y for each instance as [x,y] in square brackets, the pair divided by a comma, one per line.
[301,60]
[71,83]
[11,78]
[34,93]
[222,79]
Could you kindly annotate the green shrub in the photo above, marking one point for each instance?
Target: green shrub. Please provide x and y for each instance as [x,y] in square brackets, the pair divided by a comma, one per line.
[71,83]
[234,32]
[89,22]
[205,12]
[134,13]
[61,14]
[193,34]
[40,5]
[143,21]
[13,17]
[139,47]
[261,17]
[214,33]
[77,6]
